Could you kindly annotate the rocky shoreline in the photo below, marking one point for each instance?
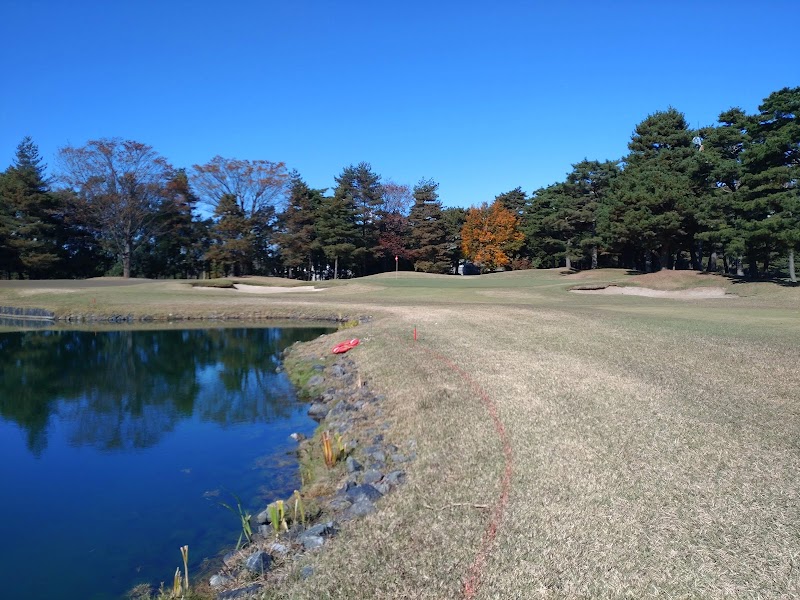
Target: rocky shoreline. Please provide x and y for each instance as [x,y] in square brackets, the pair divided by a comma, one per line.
[367,467]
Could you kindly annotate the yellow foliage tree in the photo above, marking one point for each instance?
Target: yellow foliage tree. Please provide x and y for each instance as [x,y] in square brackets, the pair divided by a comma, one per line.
[490,234]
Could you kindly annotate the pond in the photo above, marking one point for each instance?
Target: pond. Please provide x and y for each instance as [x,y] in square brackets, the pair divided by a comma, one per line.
[119,446]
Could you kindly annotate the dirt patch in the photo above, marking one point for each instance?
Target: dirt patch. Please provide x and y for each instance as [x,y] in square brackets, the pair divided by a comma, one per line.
[691,294]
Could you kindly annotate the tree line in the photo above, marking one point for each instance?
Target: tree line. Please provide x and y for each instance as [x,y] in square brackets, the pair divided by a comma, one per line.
[719,198]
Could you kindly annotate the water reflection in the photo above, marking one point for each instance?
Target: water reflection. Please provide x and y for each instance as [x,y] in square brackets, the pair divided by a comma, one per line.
[131,433]
[122,390]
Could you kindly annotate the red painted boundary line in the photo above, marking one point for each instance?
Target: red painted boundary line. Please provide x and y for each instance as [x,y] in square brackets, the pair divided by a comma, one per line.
[473,581]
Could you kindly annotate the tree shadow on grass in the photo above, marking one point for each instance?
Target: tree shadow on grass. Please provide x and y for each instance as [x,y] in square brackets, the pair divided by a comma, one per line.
[780,281]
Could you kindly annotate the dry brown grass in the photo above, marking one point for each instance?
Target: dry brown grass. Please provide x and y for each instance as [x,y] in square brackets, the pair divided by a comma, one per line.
[655,442]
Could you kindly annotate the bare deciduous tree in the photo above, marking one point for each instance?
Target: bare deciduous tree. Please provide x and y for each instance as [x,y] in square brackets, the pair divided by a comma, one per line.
[255,184]
[119,185]
[397,198]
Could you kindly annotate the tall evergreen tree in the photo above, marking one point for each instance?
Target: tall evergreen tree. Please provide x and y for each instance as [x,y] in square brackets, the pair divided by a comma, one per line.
[719,207]
[514,200]
[28,216]
[431,249]
[232,251]
[337,231]
[85,254]
[588,186]
[8,255]
[771,175]
[363,188]
[179,239]
[297,236]
[544,242]
[654,198]
[453,218]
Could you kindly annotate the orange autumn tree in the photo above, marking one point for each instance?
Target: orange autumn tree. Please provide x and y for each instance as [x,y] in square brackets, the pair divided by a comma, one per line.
[490,234]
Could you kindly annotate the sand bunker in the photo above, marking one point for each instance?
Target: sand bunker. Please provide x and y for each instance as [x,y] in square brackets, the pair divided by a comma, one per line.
[691,294]
[275,289]
[36,291]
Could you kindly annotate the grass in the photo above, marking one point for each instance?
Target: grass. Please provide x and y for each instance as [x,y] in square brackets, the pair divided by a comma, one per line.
[655,444]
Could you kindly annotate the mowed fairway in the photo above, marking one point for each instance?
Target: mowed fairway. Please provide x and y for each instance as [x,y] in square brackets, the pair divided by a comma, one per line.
[654,443]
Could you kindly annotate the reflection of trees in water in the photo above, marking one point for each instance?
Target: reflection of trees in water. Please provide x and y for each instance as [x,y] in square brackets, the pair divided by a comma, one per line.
[124,389]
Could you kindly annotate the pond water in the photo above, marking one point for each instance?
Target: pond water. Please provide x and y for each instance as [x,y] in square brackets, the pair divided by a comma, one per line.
[117,447]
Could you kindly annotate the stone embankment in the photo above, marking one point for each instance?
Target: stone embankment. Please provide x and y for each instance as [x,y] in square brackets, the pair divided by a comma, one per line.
[367,468]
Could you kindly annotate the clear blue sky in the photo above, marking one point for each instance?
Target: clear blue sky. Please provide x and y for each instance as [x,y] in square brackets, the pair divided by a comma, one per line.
[480,96]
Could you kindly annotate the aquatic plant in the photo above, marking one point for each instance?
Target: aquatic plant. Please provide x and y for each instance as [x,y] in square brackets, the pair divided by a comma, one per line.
[341,446]
[327,450]
[185,555]
[349,324]
[277,516]
[299,508]
[244,519]
[177,586]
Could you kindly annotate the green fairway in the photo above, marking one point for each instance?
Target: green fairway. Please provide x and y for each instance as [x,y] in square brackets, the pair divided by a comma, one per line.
[653,442]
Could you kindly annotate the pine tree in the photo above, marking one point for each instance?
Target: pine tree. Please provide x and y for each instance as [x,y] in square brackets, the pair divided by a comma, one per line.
[771,173]
[718,208]
[337,231]
[297,237]
[516,200]
[453,218]
[428,234]
[654,198]
[587,186]
[544,241]
[232,252]
[28,216]
[363,188]
[179,240]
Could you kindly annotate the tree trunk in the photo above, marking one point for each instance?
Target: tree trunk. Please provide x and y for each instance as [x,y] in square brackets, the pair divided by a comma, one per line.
[712,262]
[126,260]
[663,260]
[594,257]
[648,261]
[336,268]
[697,256]
[792,275]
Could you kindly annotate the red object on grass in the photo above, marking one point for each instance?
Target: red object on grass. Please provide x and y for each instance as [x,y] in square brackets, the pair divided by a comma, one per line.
[345,346]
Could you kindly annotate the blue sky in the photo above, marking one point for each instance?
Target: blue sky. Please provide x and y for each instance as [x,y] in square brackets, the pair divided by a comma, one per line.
[480,96]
